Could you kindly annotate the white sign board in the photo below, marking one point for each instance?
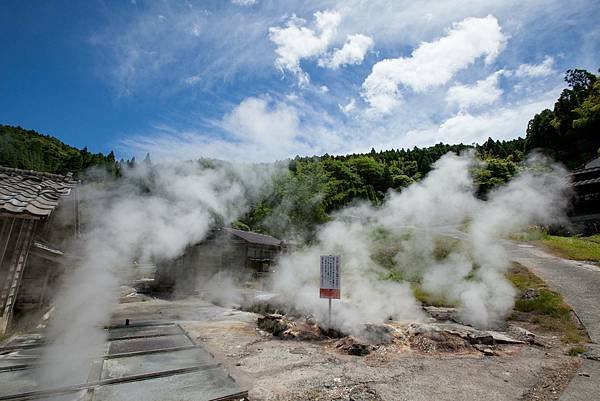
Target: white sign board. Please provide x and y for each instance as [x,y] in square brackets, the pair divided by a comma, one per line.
[330,277]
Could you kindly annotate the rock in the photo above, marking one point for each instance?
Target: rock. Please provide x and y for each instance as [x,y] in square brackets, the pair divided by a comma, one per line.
[273,323]
[332,333]
[353,346]
[481,339]
[364,394]
[529,294]
[421,328]
[302,331]
[501,338]
[454,336]
[485,350]
[475,336]
[377,334]
[488,352]
[526,336]
[592,352]
[282,327]
[441,313]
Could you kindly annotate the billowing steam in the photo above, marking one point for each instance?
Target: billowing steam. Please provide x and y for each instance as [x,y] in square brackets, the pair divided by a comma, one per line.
[436,233]
[150,214]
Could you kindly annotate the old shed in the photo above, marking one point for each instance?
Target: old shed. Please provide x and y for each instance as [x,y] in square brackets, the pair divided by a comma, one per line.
[28,263]
[585,213]
[244,255]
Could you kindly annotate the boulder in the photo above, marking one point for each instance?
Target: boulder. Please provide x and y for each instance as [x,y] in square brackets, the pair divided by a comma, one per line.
[377,334]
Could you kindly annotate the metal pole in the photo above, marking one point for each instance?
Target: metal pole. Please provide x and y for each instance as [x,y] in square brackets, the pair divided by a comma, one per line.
[329,323]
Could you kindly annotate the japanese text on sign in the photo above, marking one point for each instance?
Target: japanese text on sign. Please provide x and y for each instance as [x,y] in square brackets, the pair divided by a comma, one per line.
[330,277]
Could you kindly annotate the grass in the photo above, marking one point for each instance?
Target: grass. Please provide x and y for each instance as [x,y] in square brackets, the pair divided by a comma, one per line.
[576,350]
[427,299]
[576,248]
[546,309]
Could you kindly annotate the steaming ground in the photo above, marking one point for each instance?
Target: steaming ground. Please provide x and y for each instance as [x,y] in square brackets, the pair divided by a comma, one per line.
[153,214]
[150,214]
[470,275]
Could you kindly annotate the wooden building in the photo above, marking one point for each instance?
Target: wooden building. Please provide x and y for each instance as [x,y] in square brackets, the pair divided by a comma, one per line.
[585,212]
[28,263]
[242,254]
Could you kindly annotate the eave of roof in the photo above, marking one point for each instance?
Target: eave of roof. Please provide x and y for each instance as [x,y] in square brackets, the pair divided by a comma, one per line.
[32,194]
[254,238]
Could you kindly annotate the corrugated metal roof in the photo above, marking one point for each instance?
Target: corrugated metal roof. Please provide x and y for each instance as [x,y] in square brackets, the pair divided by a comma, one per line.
[254,238]
[27,192]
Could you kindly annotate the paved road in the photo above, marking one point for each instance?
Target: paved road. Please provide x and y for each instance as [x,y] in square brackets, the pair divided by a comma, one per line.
[579,284]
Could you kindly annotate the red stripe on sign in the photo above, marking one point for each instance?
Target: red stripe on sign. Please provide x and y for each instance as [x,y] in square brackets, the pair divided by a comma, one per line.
[331,293]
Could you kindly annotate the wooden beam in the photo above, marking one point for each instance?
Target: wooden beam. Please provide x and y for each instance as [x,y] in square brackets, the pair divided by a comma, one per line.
[20,216]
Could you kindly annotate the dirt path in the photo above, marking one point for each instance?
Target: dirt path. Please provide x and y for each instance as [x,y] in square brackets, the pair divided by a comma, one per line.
[579,284]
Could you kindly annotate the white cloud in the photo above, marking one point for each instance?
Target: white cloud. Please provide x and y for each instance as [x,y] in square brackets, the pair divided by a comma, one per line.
[255,120]
[244,2]
[433,63]
[352,52]
[485,91]
[258,129]
[500,123]
[323,89]
[192,80]
[296,42]
[349,107]
[536,70]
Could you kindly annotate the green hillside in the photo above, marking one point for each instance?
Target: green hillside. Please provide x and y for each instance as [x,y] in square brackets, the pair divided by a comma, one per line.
[27,149]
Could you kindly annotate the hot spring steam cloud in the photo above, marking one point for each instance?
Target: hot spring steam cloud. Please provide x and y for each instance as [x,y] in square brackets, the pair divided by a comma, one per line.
[149,214]
[435,232]
[155,213]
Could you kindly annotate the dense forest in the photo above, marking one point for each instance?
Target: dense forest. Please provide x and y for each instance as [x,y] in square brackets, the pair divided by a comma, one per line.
[314,187]
[29,150]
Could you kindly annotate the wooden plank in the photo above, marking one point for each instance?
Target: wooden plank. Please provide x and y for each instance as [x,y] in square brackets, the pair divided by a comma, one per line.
[21,253]
[20,216]
[9,295]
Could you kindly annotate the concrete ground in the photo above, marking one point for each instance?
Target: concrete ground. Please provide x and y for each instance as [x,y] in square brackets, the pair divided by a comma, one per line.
[579,284]
[273,369]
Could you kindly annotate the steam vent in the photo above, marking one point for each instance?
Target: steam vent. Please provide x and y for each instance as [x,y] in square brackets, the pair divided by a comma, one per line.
[28,263]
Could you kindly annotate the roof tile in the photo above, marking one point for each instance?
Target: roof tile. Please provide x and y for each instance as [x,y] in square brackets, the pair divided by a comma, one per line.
[31,192]
[254,238]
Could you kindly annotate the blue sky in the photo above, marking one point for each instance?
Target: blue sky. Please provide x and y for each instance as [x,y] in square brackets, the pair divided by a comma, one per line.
[264,80]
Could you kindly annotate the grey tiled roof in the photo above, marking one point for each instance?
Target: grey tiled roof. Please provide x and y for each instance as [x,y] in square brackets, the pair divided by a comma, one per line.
[32,193]
[254,238]
[587,182]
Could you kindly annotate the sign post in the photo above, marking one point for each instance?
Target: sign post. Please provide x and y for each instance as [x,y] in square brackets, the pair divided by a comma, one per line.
[330,279]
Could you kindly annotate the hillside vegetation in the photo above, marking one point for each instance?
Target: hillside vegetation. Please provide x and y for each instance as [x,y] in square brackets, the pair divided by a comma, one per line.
[27,149]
